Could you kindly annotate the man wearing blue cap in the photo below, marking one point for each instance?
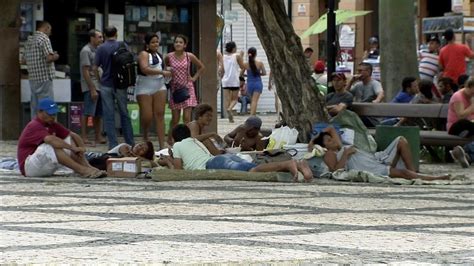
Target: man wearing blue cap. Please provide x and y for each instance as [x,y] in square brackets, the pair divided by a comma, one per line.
[247,136]
[44,145]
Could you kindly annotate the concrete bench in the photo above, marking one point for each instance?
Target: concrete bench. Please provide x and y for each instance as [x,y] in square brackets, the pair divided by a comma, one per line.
[427,137]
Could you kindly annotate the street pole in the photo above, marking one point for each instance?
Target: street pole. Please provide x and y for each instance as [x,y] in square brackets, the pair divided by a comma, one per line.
[331,38]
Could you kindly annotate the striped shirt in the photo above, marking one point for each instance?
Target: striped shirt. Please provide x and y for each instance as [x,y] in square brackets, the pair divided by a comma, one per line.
[37,49]
[428,66]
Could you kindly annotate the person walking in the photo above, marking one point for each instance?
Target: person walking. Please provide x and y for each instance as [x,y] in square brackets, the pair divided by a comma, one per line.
[180,62]
[109,94]
[40,58]
[230,81]
[150,88]
[90,88]
[255,70]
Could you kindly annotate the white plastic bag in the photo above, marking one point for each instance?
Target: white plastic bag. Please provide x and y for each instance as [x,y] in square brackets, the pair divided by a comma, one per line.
[347,136]
[282,136]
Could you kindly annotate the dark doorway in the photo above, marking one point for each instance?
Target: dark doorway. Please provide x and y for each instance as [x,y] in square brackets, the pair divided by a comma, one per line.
[438,8]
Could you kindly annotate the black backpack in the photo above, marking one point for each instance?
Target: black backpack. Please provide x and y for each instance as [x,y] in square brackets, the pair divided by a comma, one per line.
[124,67]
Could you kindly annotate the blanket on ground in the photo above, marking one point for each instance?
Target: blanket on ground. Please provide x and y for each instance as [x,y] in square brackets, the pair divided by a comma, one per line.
[367,177]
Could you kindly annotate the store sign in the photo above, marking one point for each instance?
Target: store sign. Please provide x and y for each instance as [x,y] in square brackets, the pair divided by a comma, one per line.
[347,36]
[468,24]
[231,16]
[301,10]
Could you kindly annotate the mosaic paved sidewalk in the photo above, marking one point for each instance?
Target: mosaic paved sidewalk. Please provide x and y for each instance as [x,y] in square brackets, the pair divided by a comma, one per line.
[77,221]
[72,220]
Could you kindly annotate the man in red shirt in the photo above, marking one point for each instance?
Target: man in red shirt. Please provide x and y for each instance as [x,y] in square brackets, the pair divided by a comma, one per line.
[452,57]
[44,145]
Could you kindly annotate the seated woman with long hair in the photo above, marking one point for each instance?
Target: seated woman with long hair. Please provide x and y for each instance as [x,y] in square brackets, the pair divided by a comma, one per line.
[203,114]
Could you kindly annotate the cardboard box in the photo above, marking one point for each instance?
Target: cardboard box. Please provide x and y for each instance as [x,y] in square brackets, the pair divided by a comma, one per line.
[124,167]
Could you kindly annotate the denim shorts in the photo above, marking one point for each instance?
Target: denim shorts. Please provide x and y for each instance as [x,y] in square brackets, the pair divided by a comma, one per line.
[229,162]
[149,85]
[92,108]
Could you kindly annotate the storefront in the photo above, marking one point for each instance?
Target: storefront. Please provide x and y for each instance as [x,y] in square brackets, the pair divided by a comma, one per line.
[71,21]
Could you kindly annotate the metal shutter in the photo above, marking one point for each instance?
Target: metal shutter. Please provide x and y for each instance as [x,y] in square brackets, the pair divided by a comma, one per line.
[245,36]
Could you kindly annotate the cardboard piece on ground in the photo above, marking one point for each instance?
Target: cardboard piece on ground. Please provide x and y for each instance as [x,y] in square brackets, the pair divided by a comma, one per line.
[124,167]
[161,175]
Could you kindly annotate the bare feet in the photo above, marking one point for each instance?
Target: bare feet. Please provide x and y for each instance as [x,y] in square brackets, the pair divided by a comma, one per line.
[231,116]
[94,174]
[303,167]
[101,140]
[87,142]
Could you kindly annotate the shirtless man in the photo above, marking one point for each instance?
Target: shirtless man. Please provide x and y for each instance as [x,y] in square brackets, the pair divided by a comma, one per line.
[247,136]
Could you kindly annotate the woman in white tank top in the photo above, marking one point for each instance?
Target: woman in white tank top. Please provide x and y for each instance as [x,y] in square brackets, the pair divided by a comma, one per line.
[150,88]
[233,63]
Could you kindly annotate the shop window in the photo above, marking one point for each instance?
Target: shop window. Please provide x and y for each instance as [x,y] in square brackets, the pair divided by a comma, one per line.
[167,20]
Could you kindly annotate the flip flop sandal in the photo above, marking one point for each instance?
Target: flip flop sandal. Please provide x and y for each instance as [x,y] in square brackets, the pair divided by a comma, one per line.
[99,174]
[96,174]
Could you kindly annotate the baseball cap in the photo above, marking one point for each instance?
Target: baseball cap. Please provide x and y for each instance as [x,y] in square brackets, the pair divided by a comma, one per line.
[253,122]
[434,38]
[373,40]
[338,75]
[319,66]
[48,105]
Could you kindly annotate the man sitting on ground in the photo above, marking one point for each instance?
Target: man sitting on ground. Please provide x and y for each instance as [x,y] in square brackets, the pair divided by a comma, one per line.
[247,136]
[190,154]
[45,145]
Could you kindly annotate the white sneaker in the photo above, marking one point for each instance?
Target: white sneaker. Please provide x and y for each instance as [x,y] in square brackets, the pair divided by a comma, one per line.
[459,156]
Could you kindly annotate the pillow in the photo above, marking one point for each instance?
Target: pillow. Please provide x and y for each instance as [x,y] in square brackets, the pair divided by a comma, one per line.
[318,167]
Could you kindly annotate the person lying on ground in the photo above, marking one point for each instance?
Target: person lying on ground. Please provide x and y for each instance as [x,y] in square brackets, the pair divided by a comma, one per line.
[143,150]
[247,136]
[190,154]
[202,119]
[45,145]
[385,163]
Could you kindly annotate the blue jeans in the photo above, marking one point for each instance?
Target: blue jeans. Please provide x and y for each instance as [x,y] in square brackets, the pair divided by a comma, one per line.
[108,96]
[229,162]
[40,90]
[469,149]
[244,100]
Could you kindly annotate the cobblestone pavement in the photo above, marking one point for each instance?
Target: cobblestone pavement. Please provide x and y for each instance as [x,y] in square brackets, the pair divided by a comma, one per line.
[66,219]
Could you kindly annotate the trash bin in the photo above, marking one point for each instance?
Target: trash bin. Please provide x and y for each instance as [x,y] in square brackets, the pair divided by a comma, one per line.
[134,112]
[384,135]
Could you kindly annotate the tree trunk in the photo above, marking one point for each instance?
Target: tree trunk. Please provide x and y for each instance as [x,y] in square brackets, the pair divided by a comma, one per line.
[10,90]
[302,105]
[397,44]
